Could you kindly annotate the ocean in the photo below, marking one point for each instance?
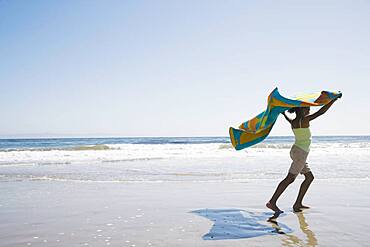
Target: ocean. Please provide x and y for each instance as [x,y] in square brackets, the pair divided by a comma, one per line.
[161,159]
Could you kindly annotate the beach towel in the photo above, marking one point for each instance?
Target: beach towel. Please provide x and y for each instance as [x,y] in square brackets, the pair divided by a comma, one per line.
[257,129]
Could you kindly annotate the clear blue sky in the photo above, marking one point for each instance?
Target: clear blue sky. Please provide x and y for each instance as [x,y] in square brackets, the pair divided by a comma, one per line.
[177,68]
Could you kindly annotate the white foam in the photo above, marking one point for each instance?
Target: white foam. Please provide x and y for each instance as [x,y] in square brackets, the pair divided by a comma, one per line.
[146,152]
[135,163]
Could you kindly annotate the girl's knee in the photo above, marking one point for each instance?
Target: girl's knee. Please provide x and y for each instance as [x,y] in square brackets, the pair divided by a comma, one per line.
[309,176]
[290,178]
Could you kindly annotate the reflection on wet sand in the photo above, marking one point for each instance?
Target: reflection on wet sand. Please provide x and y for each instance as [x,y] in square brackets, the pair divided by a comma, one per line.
[237,223]
[292,240]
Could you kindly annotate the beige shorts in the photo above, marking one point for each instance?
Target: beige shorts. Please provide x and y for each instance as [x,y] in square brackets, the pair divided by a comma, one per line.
[299,164]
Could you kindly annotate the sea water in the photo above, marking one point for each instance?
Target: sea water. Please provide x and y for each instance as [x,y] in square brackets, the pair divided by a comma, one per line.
[162,159]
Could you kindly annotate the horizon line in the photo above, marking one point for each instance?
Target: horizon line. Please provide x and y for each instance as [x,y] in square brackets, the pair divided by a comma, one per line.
[112,137]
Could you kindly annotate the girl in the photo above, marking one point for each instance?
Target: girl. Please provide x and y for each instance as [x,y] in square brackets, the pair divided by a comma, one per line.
[300,126]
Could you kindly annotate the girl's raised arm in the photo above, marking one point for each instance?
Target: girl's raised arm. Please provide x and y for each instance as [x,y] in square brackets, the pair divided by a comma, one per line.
[321,111]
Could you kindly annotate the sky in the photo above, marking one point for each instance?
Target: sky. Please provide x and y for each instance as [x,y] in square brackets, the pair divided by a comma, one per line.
[178,68]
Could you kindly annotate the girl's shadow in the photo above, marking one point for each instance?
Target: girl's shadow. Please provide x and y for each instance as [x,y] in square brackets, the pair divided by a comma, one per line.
[238,223]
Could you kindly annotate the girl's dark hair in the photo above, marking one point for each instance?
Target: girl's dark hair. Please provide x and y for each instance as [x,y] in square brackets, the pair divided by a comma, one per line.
[293,110]
[297,109]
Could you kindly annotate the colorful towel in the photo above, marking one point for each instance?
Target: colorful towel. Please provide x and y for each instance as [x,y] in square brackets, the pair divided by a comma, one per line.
[258,128]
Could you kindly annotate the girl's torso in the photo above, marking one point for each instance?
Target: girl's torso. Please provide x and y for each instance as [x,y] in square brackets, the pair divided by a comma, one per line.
[302,134]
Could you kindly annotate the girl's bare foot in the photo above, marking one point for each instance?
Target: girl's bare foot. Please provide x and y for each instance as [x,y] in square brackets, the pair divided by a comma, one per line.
[274,208]
[298,208]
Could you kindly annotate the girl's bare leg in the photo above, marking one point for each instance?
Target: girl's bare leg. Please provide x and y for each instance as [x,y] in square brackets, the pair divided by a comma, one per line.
[302,191]
[279,190]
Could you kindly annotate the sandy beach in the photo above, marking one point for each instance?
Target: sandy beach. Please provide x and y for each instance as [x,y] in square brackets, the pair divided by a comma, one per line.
[64,213]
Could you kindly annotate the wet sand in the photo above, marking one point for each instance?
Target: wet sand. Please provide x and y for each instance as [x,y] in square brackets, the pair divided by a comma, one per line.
[66,213]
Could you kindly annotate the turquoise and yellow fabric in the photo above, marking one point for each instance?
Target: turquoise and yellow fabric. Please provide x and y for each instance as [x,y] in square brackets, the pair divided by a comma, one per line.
[257,129]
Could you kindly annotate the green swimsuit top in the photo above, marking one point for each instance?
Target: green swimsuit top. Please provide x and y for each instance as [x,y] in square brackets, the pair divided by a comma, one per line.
[302,138]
